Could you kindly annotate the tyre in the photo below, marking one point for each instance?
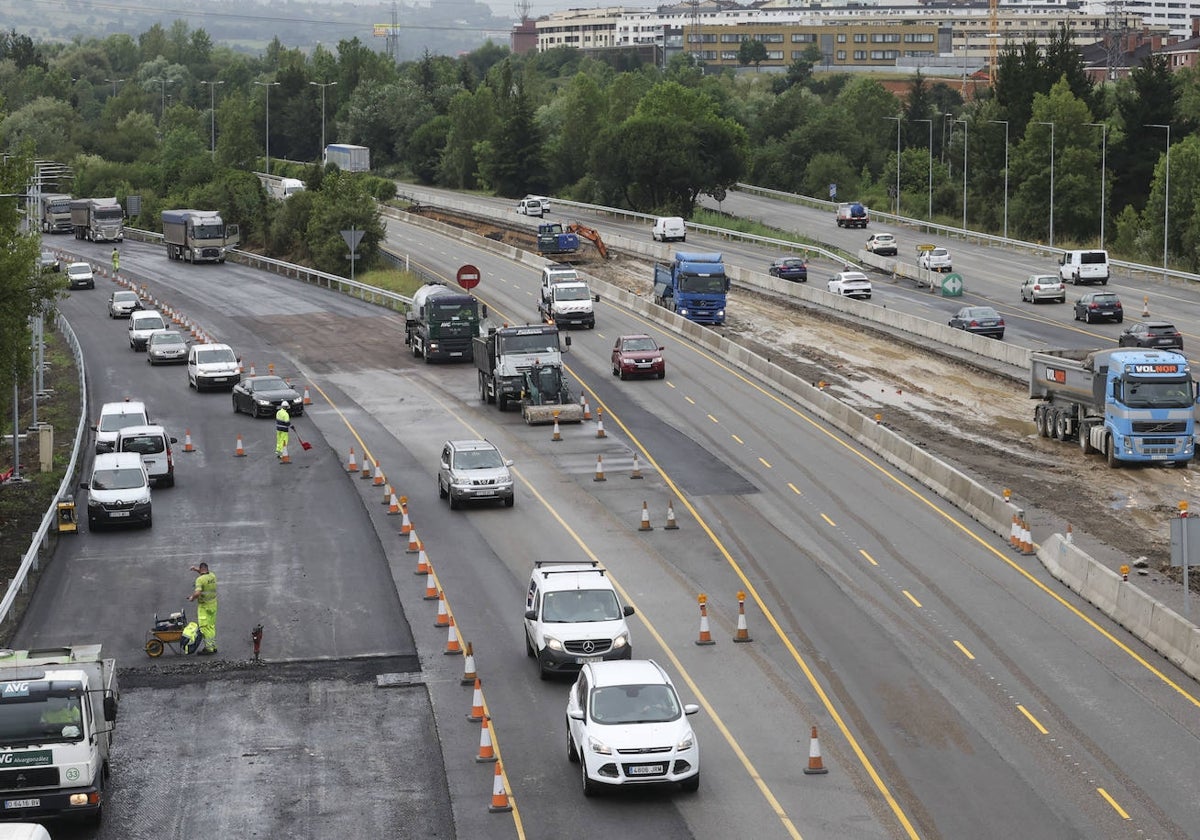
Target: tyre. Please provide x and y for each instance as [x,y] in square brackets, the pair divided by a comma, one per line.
[589,787]
[621,374]
[1087,317]
[1120,318]
[690,785]
[1039,420]
[510,501]
[662,374]
[529,651]
[236,410]
[154,648]
[1110,453]
[169,481]
[615,372]
[453,501]
[441,490]
[1062,299]
[1085,441]
[572,752]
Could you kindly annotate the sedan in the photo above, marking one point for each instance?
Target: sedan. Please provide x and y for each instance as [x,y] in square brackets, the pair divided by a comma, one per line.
[50,262]
[1158,334]
[121,303]
[260,396]
[936,260]
[850,284]
[638,355]
[789,268]
[79,276]
[1039,287]
[166,347]
[981,320]
[882,244]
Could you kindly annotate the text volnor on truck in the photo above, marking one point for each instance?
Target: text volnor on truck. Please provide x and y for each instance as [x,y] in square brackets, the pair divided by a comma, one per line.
[442,323]
[1135,406]
[694,286]
[197,235]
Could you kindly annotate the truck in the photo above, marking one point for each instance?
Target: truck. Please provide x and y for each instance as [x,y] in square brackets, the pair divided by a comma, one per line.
[58,710]
[851,214]
[98,219]
[693,285]
[1131,406]
[442,323]
[568,303]
[552,239]
[523,364]
[348,158]
[56,213]
[197,235]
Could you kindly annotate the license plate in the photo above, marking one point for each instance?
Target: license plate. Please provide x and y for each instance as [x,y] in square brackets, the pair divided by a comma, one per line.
[588,660]
[22,803]
[646,770]
[117,514]
[485,492]
[221,379]
[643,364]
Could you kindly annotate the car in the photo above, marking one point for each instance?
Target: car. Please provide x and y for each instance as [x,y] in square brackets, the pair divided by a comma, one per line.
[573,616]
[1095,306]
[534,205]
[1157,334]
[121,303]
[1039,287]
[789,268]
[936,260]
[882,244]
[115,416]
[154,445]
[627,726]
[850,284]
[261,396]
[49,262]
[79,276]
[474,471]
[638,355]
[143,324]
[118,491]
[166,347]
[981,320]
[213,366]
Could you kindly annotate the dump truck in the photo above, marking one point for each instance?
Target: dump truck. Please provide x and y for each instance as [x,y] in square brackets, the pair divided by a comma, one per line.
[693,286]
[58,710]
[552,239]
[503,357]
[197,235]
[442,323]
[98,219]
[348,158]
[1135,406]
[851,214]
[55,210]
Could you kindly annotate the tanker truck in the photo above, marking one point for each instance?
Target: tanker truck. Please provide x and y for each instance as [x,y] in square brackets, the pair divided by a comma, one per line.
[1135,406]
[442,323]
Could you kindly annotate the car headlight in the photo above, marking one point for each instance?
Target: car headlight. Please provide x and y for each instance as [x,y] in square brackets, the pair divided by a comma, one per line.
[656,359]
[92,503]
[687,741]
[683,312]
[553,643]
[620,641]
[598,746]
[263,402]
[721,313]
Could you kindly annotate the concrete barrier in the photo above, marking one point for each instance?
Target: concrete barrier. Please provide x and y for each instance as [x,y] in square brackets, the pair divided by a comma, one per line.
[1135,612]
[1172,634]
[1101,588]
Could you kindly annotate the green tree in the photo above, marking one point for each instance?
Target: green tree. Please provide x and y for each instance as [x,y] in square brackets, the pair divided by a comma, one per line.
[751,51]
[239,137]
[342,204]
[1148,97]
[47,125]
[425,149]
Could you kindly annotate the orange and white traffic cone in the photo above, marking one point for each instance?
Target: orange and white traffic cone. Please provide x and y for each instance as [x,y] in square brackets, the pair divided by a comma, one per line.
[307,399]
[366,467]
[252,373]
[587,411]
[1027,539]
[1013,533]
[486,754]
[815,766]
[705,636]
[387,496]
[645,526]
[394,506]
[600,423]
[637,467]
[432,593]
[469,676]
[187,441]
[377,480]
[414,545]
[599,476]
[453,648]
[671,525]
[1070,534]
[742,634]
[405,524]
[270,368]
[557,436]
[476,703]
[284,458]
[499,797]
[443,615]
[422,562]
[352,463]
[240,451]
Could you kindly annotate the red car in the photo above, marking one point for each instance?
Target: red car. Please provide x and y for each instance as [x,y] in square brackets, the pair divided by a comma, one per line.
[638,355]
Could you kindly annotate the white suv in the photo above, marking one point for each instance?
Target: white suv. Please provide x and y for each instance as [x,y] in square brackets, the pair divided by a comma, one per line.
[936,260]
[626,726]
[573,617]
[474,471]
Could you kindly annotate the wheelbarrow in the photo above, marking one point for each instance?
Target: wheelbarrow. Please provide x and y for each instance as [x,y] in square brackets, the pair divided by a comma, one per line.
[166,633]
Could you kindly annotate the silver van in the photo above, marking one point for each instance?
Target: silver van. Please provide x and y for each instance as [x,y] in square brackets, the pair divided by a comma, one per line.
[1084,267]
[118,492]
[154,445]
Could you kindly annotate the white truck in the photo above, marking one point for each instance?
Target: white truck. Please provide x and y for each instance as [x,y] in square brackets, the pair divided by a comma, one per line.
[56,213]
[348,158]
[569,304]
[58,710]
[278,187]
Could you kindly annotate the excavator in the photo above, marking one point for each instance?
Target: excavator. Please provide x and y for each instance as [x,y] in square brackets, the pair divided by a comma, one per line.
[590,234]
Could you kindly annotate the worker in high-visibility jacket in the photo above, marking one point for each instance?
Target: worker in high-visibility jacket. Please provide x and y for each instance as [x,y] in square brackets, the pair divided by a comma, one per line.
[205,596]
[283,422]
[116,260]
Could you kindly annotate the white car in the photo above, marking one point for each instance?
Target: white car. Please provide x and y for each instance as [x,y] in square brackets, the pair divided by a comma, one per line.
[626,726]
[850,284]
[79,276]
[936,260]
[883,244]
[143,324]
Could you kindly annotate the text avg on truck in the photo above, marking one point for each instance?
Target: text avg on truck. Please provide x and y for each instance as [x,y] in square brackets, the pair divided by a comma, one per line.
[58,708]
[694,286]
[1129,405]
[442,323]
[197,235]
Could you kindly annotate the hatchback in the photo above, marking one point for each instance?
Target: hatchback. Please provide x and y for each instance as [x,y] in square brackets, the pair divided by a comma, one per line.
[50,262]
[1096,305]
[121,303]
[981,320]
[1039,287]
[937,259]
[1158,334]
[789,268]
[882,244]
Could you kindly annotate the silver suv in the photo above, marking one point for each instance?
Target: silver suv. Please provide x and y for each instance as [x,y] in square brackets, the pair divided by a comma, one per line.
[573,617]
[474,470]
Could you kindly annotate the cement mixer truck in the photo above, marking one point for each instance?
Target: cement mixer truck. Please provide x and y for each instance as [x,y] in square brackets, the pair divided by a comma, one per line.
[442,323]
[1135,406]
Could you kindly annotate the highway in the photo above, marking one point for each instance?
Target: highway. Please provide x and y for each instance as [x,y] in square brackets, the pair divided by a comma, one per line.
[957,689]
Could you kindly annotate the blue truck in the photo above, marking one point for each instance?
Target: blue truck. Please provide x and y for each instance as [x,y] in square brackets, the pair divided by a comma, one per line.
[693,285]
[1135,406]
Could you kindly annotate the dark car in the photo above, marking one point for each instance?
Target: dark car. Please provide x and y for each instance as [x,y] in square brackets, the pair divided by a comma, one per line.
[790,268]
[261,396]
[1096,305]
[50,262]
[638,355]
[981,320]
[1158,334]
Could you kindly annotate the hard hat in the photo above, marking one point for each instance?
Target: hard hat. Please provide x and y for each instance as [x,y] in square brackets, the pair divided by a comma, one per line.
[285,404]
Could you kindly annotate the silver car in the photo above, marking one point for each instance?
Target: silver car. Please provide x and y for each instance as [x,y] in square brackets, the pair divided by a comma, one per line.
[1039,287]
[166,347]
[474,471]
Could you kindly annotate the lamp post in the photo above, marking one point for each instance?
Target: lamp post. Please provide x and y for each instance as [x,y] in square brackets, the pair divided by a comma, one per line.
[115,82]
[162,108]
[1005,122]
[267,132]
[897,118]
[964,220]
[322,86]
[929,212]
[1103,170]
[212,114]
[1166,195]
[1039,122]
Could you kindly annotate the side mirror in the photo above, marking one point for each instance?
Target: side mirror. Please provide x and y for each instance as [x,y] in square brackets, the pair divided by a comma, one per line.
[83,485]
[690,708]
[445,465]
[531,615]
[627,611]
[174,440]
[484,311]
[110,708]
[508,462]
[577,714]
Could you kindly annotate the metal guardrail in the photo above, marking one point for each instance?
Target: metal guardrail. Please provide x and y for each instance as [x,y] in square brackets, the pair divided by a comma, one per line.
[31,560]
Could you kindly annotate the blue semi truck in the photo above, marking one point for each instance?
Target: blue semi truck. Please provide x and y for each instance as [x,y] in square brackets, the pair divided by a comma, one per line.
[693,286]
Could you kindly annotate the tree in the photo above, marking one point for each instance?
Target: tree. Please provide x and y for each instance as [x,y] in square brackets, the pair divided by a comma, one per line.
[752,51]
[1148,97]
[47,125]
[342,204]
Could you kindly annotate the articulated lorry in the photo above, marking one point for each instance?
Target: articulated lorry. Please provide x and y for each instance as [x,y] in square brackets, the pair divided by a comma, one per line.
[694,286]
[197,235]
[98,219]
[524,365]
[58,709]
[1135,406]
[348,158]
[55,209]
[442,323]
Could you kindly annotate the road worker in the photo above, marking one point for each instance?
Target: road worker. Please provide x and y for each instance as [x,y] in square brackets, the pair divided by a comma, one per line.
[283,422]
[205,596]
[116,260]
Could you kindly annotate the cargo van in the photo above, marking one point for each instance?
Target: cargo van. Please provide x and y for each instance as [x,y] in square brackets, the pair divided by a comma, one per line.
[669,229]
[1084,267]
[534,205]
[154,445]
[554,274]
[213,366]
[118,491]
[115,416]
[23,831]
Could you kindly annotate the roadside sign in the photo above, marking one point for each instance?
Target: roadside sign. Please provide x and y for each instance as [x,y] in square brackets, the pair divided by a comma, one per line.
[952,285]
[922,248]
[833,192]
[352,237]
[468,276]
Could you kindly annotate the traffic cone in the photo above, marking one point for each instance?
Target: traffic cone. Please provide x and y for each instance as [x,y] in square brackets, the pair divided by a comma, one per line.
[352,463]
[599,476]
[453,648]
[443,616]
[270,368]
[405,526]
[469,676]
[486,754]
[1012,533]
[394,505]
[252,373]
[1145,307]
[284,458]
[366,467]
[240,451]
[1070,534]
[671,525]
[1026,538]
[307,399]
[600,423]
[377,481]
[705,636]
[499,797]
[742,634]
[637,468]
[557,436]
[587,411]
[432,593]
[645,526]
[476,703]
[387,497]
[422,562]
[414,545]
[815,767]
[187,441]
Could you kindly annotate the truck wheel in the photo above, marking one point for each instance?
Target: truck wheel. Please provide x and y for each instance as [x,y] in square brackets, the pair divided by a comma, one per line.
[1085,440]
[1110,453]
[1062,429]
[482,390]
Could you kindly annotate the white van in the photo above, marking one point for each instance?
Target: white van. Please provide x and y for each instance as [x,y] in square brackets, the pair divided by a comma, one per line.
[669,229]
[142,324]
[154,445]
[1084,267]
[115,416]
[213,366]
[118,491]
[554,274]
[23,831]
[534,205]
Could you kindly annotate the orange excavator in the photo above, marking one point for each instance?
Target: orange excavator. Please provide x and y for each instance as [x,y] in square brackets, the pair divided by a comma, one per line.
[590,234]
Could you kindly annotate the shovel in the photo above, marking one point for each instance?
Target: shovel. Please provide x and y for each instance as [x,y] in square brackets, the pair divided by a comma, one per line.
[305,445]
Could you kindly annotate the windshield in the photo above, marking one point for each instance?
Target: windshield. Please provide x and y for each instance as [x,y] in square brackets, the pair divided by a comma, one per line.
[110,213]
[571,293]
[123,297]
[151,323]
[702,285]
[209,231]
[1174,393]
[579,605]
[62,205]
[478,459]
[636,344]
[215,356]
[164,339]
[118,479]
[453,311]
[116,422]
[536,343]
[267,383]
[42,714]
[77,270]
[625,704]
[143,444]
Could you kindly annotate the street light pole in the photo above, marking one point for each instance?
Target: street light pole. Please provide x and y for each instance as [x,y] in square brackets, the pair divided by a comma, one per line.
[964,220]
[1039,122]
[212,114]
[267,133]
[322,86]
[1006,179]
[1166,196]
[162,108]
[929,212]
[115,82]
[897,118]
[1103,171]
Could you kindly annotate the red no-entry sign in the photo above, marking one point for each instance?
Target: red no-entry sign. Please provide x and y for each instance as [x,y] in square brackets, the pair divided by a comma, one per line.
[468,276]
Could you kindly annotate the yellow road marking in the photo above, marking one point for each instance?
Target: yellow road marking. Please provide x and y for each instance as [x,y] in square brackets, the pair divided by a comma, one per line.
[714,419]
[870,559]
[796,490]
[738,439]
[963,648]
[910,597]
[1113,803]
[830,521]
[1037,724]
